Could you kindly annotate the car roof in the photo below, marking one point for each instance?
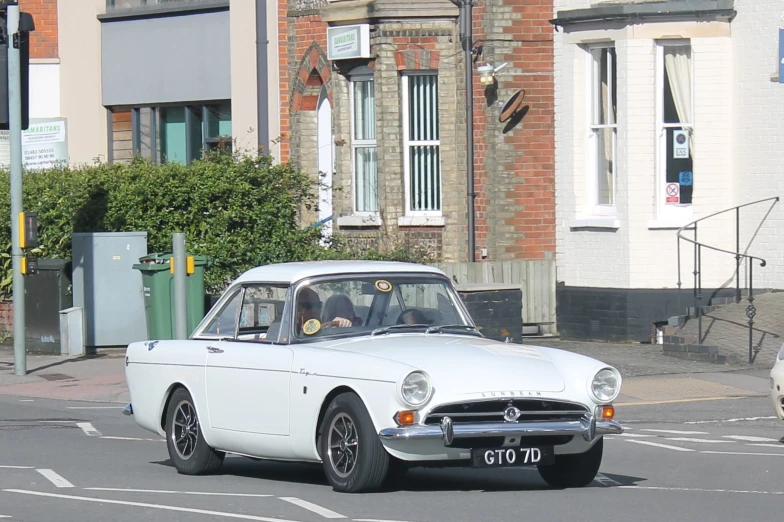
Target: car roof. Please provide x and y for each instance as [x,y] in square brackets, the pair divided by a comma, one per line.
[295,271]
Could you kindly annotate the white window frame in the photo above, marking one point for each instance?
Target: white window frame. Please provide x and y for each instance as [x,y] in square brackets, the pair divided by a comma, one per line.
[407,144]
[592,157]
[669,216]
[355,144]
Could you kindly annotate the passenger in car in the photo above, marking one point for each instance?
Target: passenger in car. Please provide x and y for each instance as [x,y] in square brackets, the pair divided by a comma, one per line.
[339,311]
[413,316]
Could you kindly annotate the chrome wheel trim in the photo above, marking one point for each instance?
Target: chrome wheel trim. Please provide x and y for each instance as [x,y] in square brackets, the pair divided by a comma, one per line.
[185,432]
[342,445]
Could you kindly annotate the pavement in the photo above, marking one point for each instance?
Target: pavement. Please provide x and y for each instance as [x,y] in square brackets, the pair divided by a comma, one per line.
[727,328]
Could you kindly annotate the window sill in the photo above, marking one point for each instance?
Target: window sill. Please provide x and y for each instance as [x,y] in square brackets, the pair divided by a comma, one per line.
[596,222]
[421,221]
[667,224]
[357,220]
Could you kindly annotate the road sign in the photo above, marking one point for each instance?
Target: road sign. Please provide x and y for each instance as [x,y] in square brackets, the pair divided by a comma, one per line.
[673,193]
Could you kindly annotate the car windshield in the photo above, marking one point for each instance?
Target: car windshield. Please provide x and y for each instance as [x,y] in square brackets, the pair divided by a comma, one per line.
[376,304]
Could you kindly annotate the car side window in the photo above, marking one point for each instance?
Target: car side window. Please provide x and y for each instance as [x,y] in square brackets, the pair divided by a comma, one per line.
[225,323]
[262,311]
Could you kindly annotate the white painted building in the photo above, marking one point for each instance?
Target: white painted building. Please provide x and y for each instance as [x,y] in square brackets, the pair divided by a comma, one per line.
[666,112]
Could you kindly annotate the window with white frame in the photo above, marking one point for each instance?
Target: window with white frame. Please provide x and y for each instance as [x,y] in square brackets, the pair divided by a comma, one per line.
[421,144]
[603,93]
[363,143]
[675,125]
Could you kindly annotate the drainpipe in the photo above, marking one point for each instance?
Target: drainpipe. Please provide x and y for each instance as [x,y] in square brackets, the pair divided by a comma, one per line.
[262,78]
[466,37]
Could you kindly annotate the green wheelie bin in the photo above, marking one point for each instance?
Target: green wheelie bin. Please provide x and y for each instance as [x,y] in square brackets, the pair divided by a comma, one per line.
[158,285]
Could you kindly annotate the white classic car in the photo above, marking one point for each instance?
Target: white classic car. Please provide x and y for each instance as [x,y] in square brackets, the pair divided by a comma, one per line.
[368,368]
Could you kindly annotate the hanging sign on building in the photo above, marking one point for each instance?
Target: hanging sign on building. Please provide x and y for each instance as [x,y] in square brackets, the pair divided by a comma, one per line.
[44,145]
[680,144]
[348,41]
[673,193]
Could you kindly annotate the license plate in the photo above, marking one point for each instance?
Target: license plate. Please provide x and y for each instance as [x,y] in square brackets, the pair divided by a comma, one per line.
[511,457]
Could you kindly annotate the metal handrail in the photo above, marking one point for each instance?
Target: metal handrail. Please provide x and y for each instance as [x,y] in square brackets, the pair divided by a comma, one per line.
[751,310]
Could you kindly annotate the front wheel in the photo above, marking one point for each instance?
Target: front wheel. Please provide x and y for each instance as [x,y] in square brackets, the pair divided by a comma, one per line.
[354,459]
[187,448]
[574,471]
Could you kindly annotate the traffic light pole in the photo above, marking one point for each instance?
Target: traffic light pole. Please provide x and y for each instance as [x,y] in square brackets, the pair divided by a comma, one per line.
[15,117]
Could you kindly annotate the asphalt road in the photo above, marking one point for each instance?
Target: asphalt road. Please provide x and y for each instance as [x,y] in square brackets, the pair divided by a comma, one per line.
[719,460]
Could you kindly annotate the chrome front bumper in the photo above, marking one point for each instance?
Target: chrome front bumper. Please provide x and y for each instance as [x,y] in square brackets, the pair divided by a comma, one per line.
[588,427]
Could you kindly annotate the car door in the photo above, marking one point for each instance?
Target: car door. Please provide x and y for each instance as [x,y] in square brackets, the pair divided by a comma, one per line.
[247,380]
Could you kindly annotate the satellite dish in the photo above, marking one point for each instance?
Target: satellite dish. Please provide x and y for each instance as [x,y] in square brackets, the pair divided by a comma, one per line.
[512,105]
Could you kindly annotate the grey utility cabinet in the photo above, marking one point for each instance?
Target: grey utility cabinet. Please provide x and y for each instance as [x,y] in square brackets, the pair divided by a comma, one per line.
[107,287]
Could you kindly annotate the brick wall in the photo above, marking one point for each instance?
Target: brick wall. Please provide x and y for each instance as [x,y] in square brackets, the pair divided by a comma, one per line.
[514,162]
[43,41]
[6,317]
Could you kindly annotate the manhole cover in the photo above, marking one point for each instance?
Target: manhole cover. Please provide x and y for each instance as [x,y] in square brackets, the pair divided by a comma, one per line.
[55,377]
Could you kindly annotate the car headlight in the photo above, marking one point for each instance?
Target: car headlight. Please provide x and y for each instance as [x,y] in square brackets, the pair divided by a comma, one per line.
[416,388]
[606,385]
[781,353]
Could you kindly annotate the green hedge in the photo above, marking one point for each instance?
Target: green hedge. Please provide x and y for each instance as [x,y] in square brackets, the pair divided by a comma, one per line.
[241,211]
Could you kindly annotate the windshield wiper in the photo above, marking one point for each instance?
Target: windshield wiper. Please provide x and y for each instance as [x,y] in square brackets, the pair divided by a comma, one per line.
[437,329]
[386,329]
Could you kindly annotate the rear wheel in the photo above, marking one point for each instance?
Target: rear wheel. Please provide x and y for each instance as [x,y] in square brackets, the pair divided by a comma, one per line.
[354,459]
[187,448]
[574,471]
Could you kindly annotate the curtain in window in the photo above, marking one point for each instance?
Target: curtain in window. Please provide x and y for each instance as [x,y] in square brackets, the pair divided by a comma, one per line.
[677,62]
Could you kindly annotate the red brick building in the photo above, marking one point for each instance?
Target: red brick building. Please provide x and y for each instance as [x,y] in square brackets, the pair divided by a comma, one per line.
[384,123]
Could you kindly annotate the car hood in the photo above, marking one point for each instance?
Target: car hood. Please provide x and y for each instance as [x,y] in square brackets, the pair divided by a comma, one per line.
[461,364]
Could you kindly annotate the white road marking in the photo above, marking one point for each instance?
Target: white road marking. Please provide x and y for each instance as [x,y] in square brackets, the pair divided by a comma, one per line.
[705,490]
[131,438]
[743,419]
[94,408]
[54,478]
[781,446]
[678,432]
[5,516]
[16,467]
[635,435]
[606,481]
[750,439]
[315,508]
[150,506]
[26,400]
[374,520]
[665,446]
[204,493]
[88,429]
[707,441]
[742,453]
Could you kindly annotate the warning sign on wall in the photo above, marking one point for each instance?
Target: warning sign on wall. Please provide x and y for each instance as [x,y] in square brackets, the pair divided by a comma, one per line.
[673,193]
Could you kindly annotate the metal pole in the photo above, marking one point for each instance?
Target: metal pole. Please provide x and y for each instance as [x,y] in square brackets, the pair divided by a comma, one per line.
[737,255]
[15,131]
[699,291]
[180,288]
[467,6]
[751,311]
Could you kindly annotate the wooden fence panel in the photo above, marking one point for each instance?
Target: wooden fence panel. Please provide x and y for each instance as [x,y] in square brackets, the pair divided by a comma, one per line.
[536,278]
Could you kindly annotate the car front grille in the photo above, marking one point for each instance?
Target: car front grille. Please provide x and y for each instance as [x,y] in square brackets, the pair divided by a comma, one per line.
[493,411]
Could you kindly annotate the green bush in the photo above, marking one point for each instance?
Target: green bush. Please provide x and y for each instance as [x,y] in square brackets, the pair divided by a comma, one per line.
[240,211]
